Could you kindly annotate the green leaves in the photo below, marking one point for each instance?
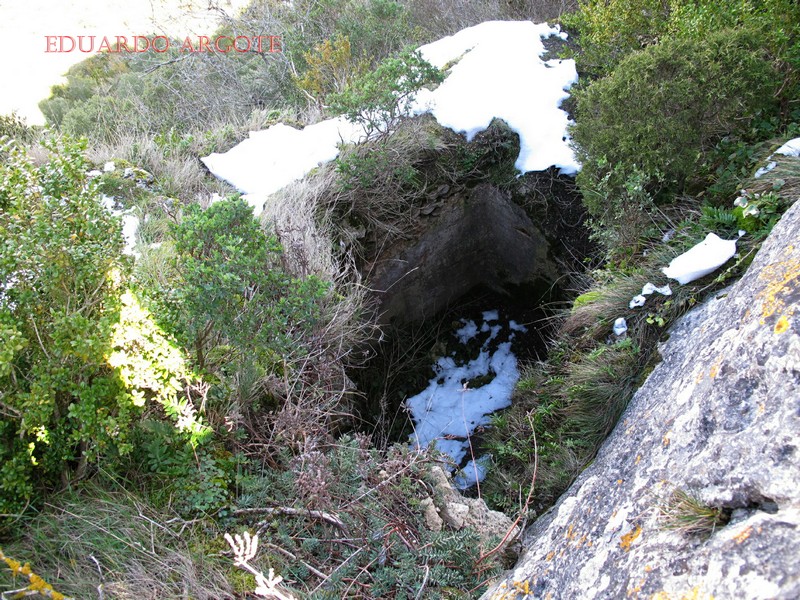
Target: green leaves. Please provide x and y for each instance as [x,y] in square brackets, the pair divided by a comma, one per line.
[649,129]
[379,99]
[79,360]
[227,289]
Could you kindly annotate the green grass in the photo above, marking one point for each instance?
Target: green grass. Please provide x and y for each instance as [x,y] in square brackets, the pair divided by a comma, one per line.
[685,513]
[572,401]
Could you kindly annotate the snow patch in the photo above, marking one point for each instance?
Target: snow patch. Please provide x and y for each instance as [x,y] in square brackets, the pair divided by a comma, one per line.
[130,223]
[620,326]
[473,472]
[448,411]
[700,260]
[274,157]
[499,74]
[790,148]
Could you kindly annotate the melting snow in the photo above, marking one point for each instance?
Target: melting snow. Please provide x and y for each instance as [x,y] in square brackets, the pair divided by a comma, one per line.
[637,301]
[620,326]
[473,472]
[270,159]
[790,148]
[130,223]
[648,289]
[447,412]
[499,74]
[700,260]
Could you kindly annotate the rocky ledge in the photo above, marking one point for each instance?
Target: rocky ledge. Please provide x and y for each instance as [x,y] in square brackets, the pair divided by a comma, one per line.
[696,493]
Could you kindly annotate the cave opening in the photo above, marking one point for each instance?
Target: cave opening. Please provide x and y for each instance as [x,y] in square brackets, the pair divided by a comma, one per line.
[488,263]
[404,361]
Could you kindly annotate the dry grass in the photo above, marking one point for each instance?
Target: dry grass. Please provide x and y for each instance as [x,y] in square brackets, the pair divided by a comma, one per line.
[784,178]
[306,233]
[446,17]
[177,173]
[113,544]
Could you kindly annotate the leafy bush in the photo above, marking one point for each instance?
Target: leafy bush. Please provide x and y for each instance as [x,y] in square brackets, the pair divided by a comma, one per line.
[79,361]
[608,30]
[620,206]
[226,290]
[331,67]
[656,120]
[15,127]
[379,100]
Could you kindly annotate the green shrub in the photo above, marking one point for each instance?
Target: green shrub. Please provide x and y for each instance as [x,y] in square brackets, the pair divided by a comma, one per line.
[380,99]
[608,30]
[355,514]
[80,360]
[378,28]
[652,125]
[620,206]
[375,28]
[331,67]
[15,127]
[226,290]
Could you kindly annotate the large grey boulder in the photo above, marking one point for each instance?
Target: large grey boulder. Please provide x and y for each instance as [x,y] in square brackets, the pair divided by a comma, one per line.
[718,419]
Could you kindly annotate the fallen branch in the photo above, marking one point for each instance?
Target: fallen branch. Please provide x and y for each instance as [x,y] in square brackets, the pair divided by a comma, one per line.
[293,512]
[292,556]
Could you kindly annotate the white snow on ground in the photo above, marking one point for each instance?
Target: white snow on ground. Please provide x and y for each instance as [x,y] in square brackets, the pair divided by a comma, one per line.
[648,289]
[790,148]
[620,326]
[499,74]
[701,259]
[473,472]
[274,157]
[447,412]
[130,223]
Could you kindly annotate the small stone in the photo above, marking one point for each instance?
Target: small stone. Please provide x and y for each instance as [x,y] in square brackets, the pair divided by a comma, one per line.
[432,518]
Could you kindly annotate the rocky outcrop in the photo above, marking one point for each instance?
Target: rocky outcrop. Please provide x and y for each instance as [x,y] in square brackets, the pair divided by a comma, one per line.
[481,238]
[718,420]
[449,507]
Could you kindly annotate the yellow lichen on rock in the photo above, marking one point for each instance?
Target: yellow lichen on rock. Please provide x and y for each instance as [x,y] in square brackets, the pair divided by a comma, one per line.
[782,325]
[783,279]
[628,539]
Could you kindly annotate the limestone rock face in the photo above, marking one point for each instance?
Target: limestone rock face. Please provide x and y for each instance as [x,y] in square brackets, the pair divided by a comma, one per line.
[482,238]
[719,419]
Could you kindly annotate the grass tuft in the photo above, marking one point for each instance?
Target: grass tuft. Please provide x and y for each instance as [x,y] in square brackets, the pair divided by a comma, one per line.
[104,538]
[685,513]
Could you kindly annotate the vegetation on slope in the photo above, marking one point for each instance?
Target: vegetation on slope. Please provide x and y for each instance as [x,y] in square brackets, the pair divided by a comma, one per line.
[679,104]
[148,406]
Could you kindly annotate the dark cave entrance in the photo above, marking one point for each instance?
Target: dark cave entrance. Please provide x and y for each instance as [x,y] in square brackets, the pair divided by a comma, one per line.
[486,250]
[403,361]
